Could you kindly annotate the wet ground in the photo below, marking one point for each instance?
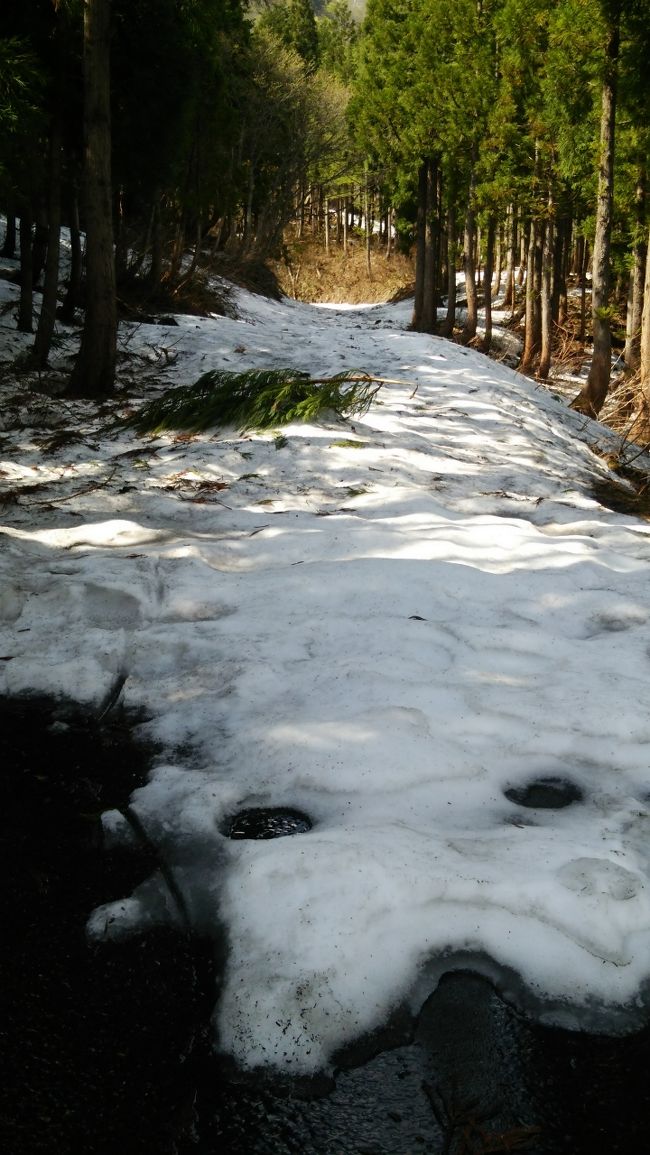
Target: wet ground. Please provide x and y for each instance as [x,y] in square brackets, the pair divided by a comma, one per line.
[106,1049]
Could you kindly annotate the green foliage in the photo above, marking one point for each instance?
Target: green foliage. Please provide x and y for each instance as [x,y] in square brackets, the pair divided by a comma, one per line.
[293,22]
[257,399]
[338,35]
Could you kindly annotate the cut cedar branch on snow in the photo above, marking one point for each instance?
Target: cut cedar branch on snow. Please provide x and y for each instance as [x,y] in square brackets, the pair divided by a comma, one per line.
[257,399]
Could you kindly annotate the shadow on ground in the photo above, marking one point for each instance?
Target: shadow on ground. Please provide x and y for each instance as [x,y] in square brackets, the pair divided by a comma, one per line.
[107,1048]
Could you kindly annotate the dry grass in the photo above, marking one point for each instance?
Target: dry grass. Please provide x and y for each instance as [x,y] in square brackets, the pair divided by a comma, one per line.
[307,273]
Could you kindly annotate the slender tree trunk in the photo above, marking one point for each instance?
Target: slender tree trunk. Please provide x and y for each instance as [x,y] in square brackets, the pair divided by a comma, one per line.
[644,346]
[368,221]
[509,297]
[71,299]
[47,318]
[428,319]
[420,246]
[532,338]
[547,296]
[591,398]
[637,275]
[498,272]
[39,248]
[452,260]
[561,255]
[487,282]
[584,267]
[26,304]
[94,371]
[524,241]
[469,261]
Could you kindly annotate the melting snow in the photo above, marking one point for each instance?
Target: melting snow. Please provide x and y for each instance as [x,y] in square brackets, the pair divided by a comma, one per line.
[383,624]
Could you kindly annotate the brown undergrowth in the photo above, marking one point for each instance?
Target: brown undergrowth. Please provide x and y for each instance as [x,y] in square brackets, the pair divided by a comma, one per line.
[306,272]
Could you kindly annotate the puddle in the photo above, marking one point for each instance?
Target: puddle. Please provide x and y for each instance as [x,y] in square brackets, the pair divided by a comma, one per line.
[108,1046]
[267,822]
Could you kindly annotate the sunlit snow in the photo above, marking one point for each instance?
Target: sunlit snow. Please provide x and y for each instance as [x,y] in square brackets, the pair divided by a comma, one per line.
[384,623]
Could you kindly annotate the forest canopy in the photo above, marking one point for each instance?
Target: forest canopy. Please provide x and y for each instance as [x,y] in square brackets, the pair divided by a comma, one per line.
[506,139]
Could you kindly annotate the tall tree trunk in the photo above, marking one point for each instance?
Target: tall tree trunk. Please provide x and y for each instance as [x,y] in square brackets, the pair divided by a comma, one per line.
[532,339]
[487,282]
[584,267]
[591,398]
[644,351]
[498,272]
[509,297]
[72,295]
[94,371]
[420,230]
[26,304]
[447,326]
[637,274]
[561,255]
[469,260]
[368,220]
[47,318]
[39,247]
[547,295]
[428,320]
[524,241]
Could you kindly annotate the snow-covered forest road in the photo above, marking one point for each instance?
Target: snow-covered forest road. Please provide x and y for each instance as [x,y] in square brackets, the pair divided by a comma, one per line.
[419,629]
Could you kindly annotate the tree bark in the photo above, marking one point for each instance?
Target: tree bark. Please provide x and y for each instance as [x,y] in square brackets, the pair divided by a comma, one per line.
[428,320]
[447,328]
[547,296]
[487,282]
[47,318]
[644,348]
[94,371]
[591,398]
[72,295]
[509,297]
[532,339]
[26,303]
[469,261]
[420,228]
[637,274]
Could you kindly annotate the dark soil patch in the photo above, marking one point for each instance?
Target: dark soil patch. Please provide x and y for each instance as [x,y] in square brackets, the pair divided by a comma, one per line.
[95,1040]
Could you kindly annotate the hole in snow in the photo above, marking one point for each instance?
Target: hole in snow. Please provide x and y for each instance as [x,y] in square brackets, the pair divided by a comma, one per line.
[545,794]
[267,822]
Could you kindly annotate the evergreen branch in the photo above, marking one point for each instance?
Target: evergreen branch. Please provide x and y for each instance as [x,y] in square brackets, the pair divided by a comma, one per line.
[257,399]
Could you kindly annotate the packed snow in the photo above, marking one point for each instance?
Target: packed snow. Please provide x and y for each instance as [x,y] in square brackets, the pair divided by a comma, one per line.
[384,623]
